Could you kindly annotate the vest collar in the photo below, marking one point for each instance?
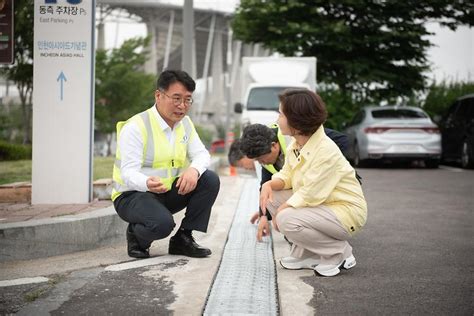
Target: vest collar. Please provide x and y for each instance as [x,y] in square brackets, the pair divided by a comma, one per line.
[163,125]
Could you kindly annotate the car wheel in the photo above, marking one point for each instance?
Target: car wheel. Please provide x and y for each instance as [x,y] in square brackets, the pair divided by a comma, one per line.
[356,159]
[357,162]
[467,158]
[432,163]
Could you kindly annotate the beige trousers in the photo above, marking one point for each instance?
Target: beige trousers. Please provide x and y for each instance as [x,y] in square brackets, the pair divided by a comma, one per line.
[315,231]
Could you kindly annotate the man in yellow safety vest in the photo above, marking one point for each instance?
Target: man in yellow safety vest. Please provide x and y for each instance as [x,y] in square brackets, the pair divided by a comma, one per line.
[160,169]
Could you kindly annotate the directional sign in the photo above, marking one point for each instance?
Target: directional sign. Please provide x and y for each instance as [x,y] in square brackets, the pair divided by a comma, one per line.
[63,101]
[61,79]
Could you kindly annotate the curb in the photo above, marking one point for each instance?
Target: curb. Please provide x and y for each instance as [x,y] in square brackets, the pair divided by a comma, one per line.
[60,235]
[66,234]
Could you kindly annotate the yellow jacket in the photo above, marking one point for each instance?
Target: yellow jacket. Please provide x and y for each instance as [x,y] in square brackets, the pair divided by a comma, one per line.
[321,175]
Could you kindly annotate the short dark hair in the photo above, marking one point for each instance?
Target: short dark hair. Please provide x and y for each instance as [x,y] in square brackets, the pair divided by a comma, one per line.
[305,111]
[168,77]
[235,154]
[257,140]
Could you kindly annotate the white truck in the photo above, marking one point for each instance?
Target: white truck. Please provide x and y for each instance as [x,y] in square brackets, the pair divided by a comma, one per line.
[263,78]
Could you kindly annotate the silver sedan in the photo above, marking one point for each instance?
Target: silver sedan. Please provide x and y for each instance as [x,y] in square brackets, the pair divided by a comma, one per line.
[395,133]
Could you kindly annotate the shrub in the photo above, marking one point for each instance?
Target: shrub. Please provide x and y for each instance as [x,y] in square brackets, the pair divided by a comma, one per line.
[205,135]
[14,151]
[442,95]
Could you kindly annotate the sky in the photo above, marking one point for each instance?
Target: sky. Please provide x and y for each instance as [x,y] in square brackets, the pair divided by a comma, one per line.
[451,57]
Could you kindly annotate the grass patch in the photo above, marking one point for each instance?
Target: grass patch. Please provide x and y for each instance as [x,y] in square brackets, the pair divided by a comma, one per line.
[15,171]
[103,167]
[34,295]
[20,170]
[43,288]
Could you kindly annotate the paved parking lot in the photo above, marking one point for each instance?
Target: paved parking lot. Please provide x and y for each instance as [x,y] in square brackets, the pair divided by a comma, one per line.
[415,256]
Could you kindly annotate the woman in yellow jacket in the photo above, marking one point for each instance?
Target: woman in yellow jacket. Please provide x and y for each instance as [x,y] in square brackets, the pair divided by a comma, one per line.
[315,199]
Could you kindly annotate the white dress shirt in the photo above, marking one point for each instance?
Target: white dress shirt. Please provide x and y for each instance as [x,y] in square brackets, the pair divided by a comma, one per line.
[131,150]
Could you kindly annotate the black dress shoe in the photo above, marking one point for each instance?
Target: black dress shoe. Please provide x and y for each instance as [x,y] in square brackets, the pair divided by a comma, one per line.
[184,244]
[133,247]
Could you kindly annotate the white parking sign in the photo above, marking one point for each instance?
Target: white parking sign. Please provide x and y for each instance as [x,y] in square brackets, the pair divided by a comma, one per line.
[63,101]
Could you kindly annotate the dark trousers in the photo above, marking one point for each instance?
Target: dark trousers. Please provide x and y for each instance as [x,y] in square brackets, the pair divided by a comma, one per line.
[151,214]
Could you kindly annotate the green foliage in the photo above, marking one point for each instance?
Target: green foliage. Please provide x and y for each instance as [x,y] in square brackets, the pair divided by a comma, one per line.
[14,151]
[15,171]
[11,124]
[221,131]
[122,87]
[205,135]
[20,170]
[35,294]
[340,107]
[21,72]
[442,95]
[236,131]
[372,50]
[103,167]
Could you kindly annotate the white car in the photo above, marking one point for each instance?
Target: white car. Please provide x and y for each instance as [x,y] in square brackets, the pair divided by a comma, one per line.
[394,133]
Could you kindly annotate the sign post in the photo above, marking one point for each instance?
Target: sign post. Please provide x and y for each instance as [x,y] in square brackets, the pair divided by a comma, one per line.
[63,101]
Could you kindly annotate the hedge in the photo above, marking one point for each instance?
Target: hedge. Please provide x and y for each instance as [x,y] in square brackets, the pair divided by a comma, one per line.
[14,151]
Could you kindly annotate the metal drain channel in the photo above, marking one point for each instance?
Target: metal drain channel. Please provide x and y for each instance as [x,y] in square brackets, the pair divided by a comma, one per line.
[245,282]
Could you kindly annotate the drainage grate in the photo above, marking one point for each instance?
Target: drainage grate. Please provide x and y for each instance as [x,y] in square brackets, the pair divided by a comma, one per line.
[245,282]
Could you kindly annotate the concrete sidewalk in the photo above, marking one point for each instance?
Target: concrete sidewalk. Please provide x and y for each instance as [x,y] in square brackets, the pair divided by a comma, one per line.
[37,231]
[21,212]
[189,278]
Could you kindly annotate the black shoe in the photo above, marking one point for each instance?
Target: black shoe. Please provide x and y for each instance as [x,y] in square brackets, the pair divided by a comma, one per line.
[133,247]
[184,244]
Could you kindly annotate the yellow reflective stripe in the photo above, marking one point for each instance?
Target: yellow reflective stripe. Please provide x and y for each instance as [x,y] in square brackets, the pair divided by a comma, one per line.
[149,150]
[163,154]
[115,194]
[180,147]
[270,168]
[143,131]
[153,172]
[282,141]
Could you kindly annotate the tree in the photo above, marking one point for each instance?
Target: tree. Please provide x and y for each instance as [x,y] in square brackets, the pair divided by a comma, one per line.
[372,50]
[21,72]
[122,87]
[443,94]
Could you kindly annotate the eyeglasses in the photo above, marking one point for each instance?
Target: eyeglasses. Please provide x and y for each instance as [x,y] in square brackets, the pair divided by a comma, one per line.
[177,100]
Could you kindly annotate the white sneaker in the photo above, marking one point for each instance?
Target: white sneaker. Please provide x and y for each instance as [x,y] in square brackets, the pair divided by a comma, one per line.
[334,269]
[292,263]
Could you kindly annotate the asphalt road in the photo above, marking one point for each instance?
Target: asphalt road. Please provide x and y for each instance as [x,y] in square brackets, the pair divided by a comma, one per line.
[416,253]
[415,256]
